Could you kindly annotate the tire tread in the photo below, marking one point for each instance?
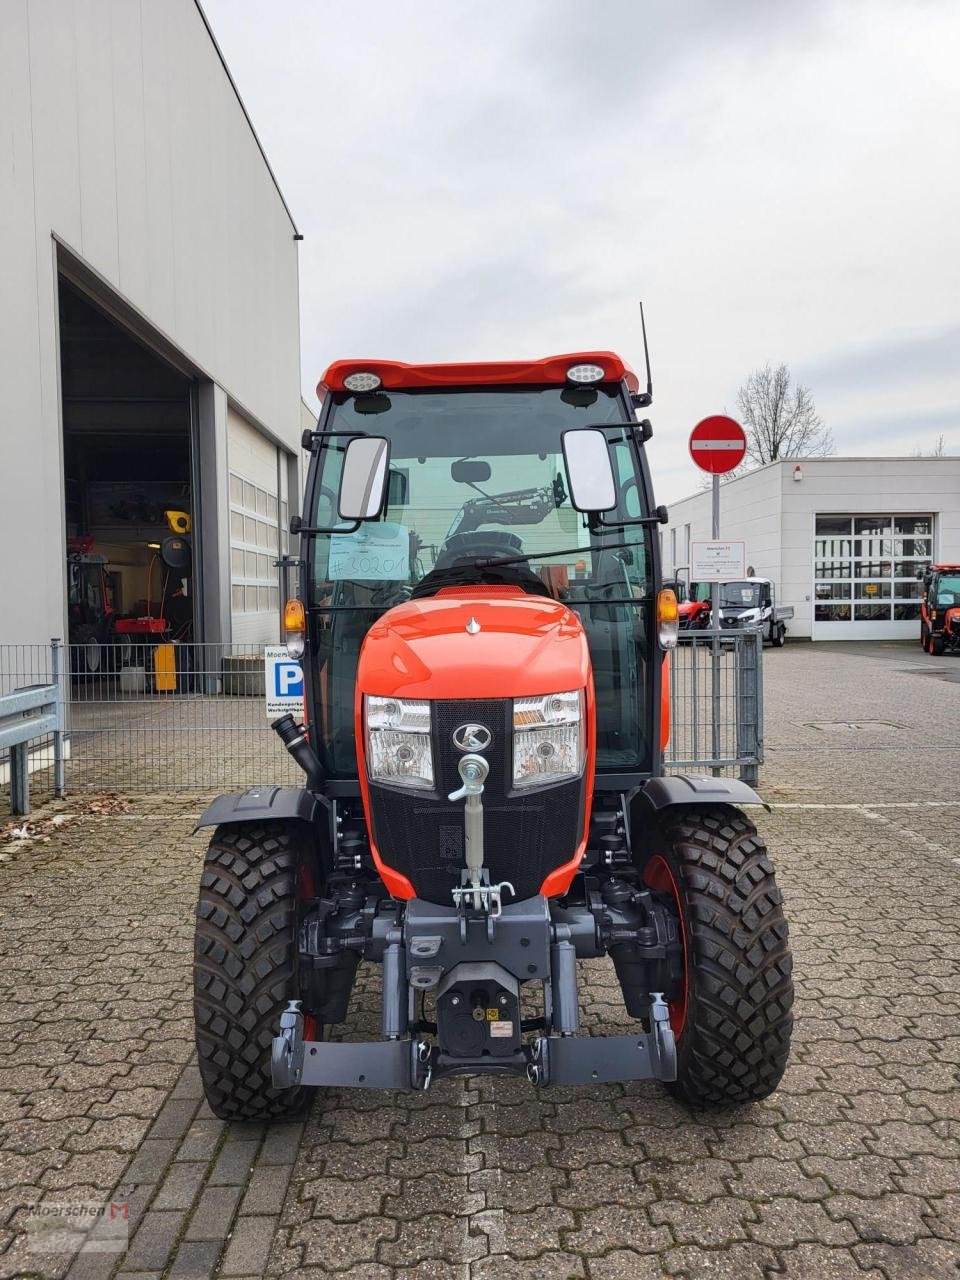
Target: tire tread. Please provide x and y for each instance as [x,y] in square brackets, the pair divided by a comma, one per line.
[736,1040]
[245,967]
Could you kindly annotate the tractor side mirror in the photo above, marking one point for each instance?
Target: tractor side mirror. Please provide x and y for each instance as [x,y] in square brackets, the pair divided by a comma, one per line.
[589,470]
[363,481]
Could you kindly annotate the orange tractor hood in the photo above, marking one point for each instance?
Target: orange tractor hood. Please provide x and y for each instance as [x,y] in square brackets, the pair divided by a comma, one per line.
[475,642]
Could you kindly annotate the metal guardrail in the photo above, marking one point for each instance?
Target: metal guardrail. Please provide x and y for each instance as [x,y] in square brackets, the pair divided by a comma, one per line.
[201,724]
[26,714]
[716,703]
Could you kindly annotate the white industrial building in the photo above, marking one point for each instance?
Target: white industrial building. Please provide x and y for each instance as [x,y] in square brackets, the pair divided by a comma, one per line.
[842,538]
[149,323]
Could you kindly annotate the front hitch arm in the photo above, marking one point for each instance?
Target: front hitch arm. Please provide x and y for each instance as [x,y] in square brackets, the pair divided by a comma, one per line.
[286,1054]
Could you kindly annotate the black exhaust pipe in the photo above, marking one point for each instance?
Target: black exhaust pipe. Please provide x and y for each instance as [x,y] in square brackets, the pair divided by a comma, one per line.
[294,738]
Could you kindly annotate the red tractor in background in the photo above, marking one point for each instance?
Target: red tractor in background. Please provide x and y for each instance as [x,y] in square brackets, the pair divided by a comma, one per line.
[940,608]
[694,604]
[484,636]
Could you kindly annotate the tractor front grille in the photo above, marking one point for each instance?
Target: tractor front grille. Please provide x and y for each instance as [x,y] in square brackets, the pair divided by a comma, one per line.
[526,834]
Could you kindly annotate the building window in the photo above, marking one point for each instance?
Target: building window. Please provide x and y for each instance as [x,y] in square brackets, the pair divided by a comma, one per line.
[865,567]
[254,545]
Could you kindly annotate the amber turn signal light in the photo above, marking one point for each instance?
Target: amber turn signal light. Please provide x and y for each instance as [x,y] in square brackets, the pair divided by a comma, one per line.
[294,626]
[668,618]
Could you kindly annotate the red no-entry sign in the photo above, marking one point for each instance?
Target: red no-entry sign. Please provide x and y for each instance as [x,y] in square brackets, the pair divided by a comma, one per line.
[717,444]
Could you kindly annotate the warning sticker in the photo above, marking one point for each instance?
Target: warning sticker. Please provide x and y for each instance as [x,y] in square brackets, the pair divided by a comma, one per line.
[493,1013]
[503,1027]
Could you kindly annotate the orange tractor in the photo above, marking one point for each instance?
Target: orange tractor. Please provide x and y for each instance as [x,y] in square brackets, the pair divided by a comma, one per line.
[484,636]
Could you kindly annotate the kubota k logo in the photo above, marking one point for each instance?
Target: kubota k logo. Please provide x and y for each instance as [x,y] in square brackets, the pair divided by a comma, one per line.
[472,737]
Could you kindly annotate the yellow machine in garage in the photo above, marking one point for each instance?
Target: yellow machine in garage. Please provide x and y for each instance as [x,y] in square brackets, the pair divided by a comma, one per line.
[175,553]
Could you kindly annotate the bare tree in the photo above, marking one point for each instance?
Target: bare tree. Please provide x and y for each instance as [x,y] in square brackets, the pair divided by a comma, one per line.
[939,450]
[780,419]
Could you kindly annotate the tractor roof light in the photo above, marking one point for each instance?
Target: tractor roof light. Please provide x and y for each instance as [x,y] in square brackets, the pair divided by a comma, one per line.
[362,381]
[585,373]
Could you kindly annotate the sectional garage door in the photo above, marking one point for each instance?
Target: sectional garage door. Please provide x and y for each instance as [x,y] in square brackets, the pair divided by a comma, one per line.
[865,574]
[258,525]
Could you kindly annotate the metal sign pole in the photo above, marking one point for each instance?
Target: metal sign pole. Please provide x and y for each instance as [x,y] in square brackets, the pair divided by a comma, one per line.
[715,627]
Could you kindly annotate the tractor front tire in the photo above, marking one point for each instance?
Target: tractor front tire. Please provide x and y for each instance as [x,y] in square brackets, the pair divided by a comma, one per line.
[734,1017]
[246,964]
[936,645]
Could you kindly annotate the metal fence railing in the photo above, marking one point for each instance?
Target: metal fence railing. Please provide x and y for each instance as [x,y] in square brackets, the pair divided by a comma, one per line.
[716,703]
[200,724]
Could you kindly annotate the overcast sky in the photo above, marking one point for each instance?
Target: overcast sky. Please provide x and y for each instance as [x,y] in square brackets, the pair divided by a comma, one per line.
[777,180]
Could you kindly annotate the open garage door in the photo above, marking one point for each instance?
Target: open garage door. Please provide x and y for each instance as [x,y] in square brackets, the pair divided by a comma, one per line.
[128,489]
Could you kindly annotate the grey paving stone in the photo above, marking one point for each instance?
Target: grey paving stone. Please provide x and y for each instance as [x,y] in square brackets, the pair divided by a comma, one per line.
[174,1118]
[153,1241]
[201,1140]
[249,1246]
[180,1186]
[196,1259]
[91,1266]
[151,1160]
[266,1189]
[233,1164]
[189,1085]
[281,1144]
[212,1216]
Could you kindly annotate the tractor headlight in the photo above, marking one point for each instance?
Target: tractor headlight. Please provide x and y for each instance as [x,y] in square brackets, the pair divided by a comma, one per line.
[398,741]
[548,738]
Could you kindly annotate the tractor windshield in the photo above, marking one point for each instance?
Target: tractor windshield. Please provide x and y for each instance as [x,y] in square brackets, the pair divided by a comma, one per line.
[478,474]
[948,590]
[740,595]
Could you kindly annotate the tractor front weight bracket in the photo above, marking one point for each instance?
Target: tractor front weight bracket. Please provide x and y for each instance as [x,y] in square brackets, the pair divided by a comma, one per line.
[412,1064]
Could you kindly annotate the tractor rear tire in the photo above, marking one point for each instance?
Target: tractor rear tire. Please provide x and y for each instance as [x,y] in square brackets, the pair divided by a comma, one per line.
[734,1018]
[246,964]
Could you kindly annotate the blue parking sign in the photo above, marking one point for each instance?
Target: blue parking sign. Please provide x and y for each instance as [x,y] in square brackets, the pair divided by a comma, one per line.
[283,682]
[288,680]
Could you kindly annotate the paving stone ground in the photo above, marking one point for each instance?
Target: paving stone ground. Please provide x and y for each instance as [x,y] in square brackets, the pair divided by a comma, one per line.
[851,1169]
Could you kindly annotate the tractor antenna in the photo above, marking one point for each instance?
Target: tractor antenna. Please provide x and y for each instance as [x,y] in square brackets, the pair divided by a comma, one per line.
[642,399]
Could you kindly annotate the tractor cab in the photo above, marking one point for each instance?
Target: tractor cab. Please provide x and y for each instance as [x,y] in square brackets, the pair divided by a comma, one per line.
[478,495]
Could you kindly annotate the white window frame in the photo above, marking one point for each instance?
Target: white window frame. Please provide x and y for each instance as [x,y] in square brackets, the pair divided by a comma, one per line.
[849,587]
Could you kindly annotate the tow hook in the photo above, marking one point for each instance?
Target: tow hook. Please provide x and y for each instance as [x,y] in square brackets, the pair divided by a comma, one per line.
[475,888]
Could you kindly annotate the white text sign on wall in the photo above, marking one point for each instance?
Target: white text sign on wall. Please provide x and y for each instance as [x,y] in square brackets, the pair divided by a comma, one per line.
[717,561]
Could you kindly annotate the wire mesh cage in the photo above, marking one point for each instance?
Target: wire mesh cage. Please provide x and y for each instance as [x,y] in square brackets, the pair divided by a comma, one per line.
[716,703]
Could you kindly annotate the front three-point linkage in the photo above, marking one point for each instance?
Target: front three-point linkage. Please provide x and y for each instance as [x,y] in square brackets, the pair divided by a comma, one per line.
[475,889]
